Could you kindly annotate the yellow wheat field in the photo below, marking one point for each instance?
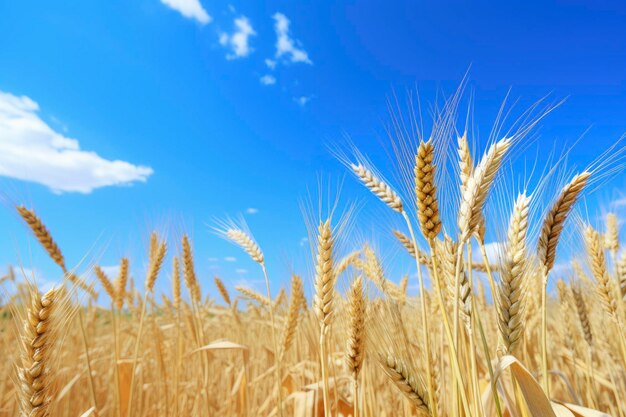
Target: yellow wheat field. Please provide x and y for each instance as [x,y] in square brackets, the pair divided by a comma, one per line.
[502,337]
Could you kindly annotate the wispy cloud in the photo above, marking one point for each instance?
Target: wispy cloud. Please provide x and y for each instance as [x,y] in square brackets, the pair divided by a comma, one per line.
[303,241]
[271,64]
[213,259]
[268,80]
[191,9]
[111,270]
[30,150]
[239,41]
[241,271]
[302,100]
[287,48]
[252,210]
[230,259]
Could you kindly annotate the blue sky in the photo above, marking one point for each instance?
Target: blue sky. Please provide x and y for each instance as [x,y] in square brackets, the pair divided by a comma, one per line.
[121,117]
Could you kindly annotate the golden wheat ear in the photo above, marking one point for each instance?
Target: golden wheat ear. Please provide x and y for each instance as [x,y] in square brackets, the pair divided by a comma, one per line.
[555,220]
[35,371]
[355,344]
[43,235]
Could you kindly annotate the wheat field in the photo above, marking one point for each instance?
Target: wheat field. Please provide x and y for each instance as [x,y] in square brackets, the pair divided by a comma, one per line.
[509,335]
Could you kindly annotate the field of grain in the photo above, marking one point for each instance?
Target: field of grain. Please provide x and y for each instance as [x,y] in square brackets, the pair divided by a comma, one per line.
[503,337]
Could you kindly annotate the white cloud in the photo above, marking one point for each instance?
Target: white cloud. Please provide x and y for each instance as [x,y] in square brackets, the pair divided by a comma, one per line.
[111,271]
[191,9]
[230,259]
[268,80]
[494,251]
[303,241]
[287,48]
[30,150]
[241,271]
[302,100]
[271,64]
[252,210]
[239,41]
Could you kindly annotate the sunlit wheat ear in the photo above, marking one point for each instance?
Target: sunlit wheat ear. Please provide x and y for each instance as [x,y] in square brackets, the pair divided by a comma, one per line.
[253,295]
[583,316]
[405,380]
[155,265]
[512,290]
[176,282]
[324,274]
[355,345]
[246,242]
[346,261]
[466,165]
[378,187]
[34,371]
[478,186]
[611,237]
[105,282]
[43,235]
[466,168]
[555,219]
[295,304]
[120,284]
[154,245]
[426,190]
[80,283]
[189,273]
[595,251]
[408,245]
[449,252]
[222,290]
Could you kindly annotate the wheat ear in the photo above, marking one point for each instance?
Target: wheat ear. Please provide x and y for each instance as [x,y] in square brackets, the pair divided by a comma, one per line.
[34,371]
[222,290]
[105,282]
[324,275]
[405,380]
[253,295]
[155,265]
[426,190]
[355,344]
[583,315]
[176,282]
[189,273]
[555,219]
[120,284]
[43,235]
[408,245]
[512,291]
[595,251]
[478,186]
[289,329]
[378,187]
[244,240]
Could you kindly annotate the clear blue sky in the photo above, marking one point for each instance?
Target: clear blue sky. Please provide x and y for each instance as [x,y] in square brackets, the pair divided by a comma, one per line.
[211,108]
